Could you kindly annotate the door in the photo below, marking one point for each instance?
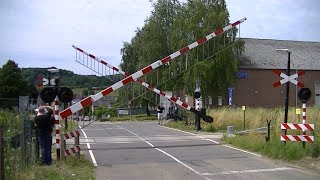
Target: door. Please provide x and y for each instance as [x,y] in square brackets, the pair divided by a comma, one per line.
[317,93]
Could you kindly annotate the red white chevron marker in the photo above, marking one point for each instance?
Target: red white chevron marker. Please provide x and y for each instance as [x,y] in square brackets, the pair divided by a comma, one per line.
[72,150]
[71,134]
[305,127]
[303,138]
[287,78]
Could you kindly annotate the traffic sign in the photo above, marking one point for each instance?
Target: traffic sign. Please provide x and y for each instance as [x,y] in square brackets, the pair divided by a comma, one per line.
[287,78]
[45,81]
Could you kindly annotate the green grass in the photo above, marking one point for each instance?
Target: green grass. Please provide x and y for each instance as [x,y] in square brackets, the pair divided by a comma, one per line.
[133,118]
[72,168]
[255,118]
[275,148]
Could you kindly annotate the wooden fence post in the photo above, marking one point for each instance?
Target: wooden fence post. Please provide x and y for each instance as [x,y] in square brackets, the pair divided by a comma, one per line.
[62,148]
[23,148]
[76,143]
[37,148]
[2,173]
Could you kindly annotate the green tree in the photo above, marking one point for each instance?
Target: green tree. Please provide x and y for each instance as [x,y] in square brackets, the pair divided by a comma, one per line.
[12,84]
[173,25]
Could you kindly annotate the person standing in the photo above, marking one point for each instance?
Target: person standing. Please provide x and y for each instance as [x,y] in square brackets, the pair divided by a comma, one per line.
[160,109]
[175,112]
[44,122]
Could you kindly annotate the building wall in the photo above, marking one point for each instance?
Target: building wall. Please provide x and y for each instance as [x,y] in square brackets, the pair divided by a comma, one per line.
[254,88]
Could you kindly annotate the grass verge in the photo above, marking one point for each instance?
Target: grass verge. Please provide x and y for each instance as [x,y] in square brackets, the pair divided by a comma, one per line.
[292,152]
[132,118]
[72,168]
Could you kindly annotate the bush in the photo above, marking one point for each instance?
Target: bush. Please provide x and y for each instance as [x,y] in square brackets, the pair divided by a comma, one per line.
[12,124]
[104,111]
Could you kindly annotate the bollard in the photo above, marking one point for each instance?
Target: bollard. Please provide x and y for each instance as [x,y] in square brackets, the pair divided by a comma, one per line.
[230,130]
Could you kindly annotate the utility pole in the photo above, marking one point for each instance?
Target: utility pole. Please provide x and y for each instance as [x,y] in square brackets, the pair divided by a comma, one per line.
[287,87]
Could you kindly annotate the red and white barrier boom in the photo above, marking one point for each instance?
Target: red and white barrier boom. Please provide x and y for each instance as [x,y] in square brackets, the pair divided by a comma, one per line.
[89,100]
[169,97]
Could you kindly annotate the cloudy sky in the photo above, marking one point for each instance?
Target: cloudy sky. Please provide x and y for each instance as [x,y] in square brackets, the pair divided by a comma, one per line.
[40,33]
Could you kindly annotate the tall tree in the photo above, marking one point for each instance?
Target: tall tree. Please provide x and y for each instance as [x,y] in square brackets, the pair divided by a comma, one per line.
[12,84]
[173,25]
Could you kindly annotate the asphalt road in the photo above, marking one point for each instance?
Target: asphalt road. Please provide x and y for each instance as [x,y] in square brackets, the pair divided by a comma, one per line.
[144,150]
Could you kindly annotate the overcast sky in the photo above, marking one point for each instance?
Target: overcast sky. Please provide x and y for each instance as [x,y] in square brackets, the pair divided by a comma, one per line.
[40,33]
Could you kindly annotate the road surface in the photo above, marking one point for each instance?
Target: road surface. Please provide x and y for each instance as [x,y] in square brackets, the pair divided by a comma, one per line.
[144,150]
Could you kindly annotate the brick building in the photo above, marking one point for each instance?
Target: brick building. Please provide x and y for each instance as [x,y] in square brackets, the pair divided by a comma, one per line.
[255,77]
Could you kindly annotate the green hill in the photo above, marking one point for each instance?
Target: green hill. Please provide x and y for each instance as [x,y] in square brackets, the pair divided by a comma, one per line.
[70,79]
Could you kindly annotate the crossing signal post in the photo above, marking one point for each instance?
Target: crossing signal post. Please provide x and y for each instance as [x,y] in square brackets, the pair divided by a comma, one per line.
[199,111]
[198,107]
[53,94]
[48,94]
[304,95]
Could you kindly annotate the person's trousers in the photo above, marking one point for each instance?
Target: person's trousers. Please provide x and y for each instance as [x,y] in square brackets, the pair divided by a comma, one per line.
[160,118]
[45,141]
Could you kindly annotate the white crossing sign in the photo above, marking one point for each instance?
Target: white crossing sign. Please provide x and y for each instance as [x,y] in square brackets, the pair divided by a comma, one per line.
[287,78]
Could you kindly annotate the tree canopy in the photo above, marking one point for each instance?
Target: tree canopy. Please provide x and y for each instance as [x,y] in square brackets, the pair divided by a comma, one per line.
[173,25]
[12,83]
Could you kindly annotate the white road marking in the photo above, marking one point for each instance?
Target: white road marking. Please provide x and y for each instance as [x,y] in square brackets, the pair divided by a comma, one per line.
[247,171]
[242,150]
[215,142]
[102,129]
[160,150]
[89,147]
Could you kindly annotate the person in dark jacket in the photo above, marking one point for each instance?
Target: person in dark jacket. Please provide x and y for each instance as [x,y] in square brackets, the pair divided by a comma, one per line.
[44,122]
[160,110]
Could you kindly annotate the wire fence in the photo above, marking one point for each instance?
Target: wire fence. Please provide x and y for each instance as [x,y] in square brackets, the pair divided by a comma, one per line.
[18,144]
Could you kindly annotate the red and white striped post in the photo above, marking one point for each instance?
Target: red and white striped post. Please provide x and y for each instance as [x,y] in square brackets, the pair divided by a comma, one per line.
[89,100]
[304,110]
[57,124]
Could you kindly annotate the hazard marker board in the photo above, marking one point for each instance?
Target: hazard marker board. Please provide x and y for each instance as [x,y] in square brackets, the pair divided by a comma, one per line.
[303,138]
[306,127]
[72,150]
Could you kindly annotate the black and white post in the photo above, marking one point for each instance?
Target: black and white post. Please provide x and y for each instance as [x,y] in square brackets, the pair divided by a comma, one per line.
[198,106]
[287,87]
